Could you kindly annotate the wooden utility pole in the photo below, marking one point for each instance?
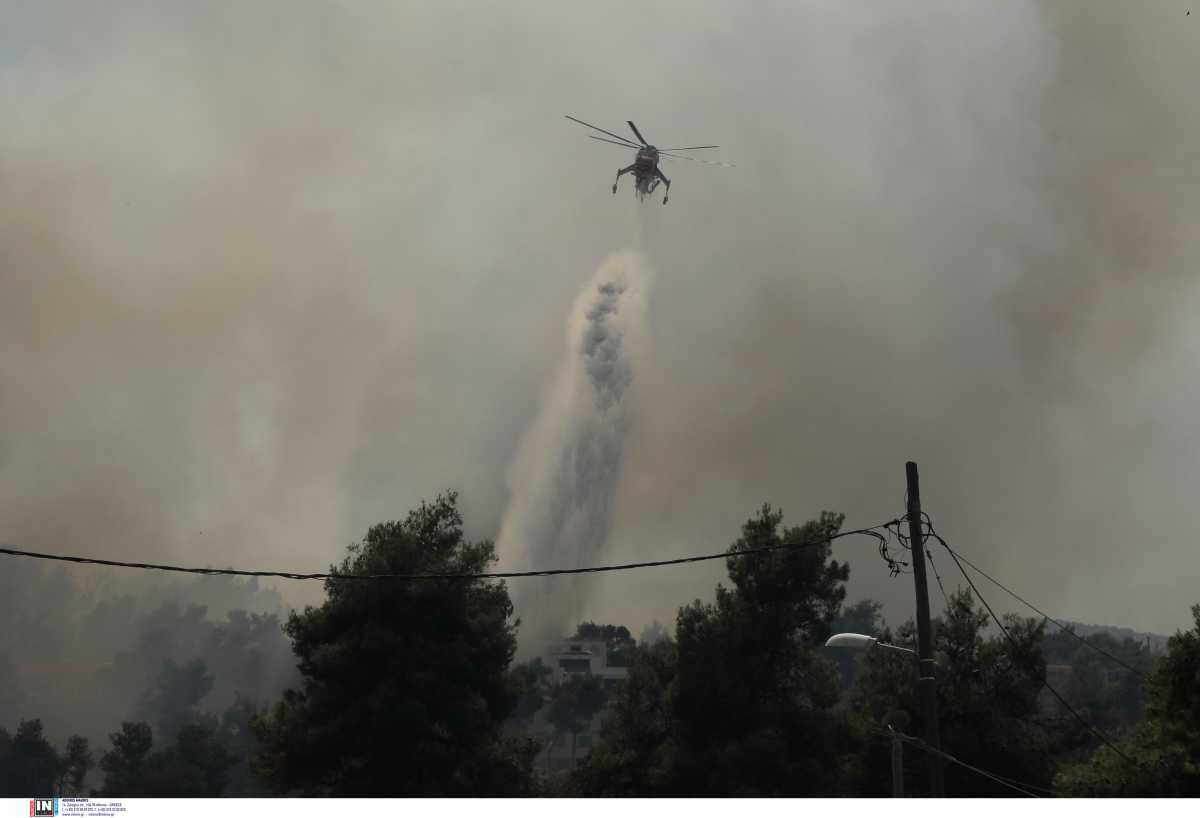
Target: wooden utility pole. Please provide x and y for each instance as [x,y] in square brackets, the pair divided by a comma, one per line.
[926,689]
[897,765]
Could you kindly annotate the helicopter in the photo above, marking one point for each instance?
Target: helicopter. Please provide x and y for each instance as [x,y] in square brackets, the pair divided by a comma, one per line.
[645,170]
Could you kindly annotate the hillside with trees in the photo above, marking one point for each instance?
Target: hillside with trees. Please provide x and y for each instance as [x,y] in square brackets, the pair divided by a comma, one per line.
[397,687]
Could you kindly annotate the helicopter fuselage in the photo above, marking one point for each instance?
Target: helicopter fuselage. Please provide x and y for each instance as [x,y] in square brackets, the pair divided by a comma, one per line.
[645,170]
[647,159]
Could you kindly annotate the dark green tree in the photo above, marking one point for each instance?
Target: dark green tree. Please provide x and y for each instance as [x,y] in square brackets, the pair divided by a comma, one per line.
[173,701]
[250,658]
[243,653]
[194,765]
[530,681]
[29,764]
[639,744]
[236,735]
[1148,764]
[573,705]
[75,766]
[988,700]
[778,688]
[1175,701]
[742,703]
[124,765]
[405,684]
[1110,695]
[1162,756]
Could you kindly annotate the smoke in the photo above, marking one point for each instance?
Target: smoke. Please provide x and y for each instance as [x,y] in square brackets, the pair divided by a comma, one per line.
[564,479]
[272,273]
[84,658]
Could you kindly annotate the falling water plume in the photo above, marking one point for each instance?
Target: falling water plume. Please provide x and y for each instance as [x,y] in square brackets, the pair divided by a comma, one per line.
[566,472]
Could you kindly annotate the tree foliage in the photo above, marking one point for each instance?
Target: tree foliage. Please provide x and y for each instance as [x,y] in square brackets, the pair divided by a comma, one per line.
[1109,694]
[988,690]
[530,682]
[125,764]
[742,703]
[636,755]
[236,734]
[405,684]
[173,701]
[76,763]
[1162,755]
[408,688]
[617,640]
[29,764]
[194,765]
[573,704]
[209,663]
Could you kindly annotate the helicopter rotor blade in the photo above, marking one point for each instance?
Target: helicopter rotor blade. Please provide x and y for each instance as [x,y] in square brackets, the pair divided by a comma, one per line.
[701,161]
[696,148]
[636,133]
[611,142]
[628,142]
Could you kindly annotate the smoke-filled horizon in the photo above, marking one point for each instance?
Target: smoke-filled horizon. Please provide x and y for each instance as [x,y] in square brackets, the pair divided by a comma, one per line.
[271,274]
[82,653]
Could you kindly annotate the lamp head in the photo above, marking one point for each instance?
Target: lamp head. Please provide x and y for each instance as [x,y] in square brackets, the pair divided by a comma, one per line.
[855,641]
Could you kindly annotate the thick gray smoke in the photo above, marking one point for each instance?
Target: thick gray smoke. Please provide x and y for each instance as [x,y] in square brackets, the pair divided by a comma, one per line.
[272,272]
[565,476]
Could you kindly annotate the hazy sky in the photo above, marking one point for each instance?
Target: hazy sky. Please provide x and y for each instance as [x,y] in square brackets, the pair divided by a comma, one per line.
[272,272]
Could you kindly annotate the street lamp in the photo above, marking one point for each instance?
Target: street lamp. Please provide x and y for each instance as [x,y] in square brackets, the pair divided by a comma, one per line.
[858,641]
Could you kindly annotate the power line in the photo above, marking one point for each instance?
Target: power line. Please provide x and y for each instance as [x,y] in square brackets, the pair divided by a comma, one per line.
[1017,784]
[147,566]
[904,542]
[913,740]
[1039,611]
[895,566]
[1094,730]
[1011,783]
[936,575]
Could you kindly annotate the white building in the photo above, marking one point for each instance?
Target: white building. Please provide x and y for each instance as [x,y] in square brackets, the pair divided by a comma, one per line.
[585,657]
